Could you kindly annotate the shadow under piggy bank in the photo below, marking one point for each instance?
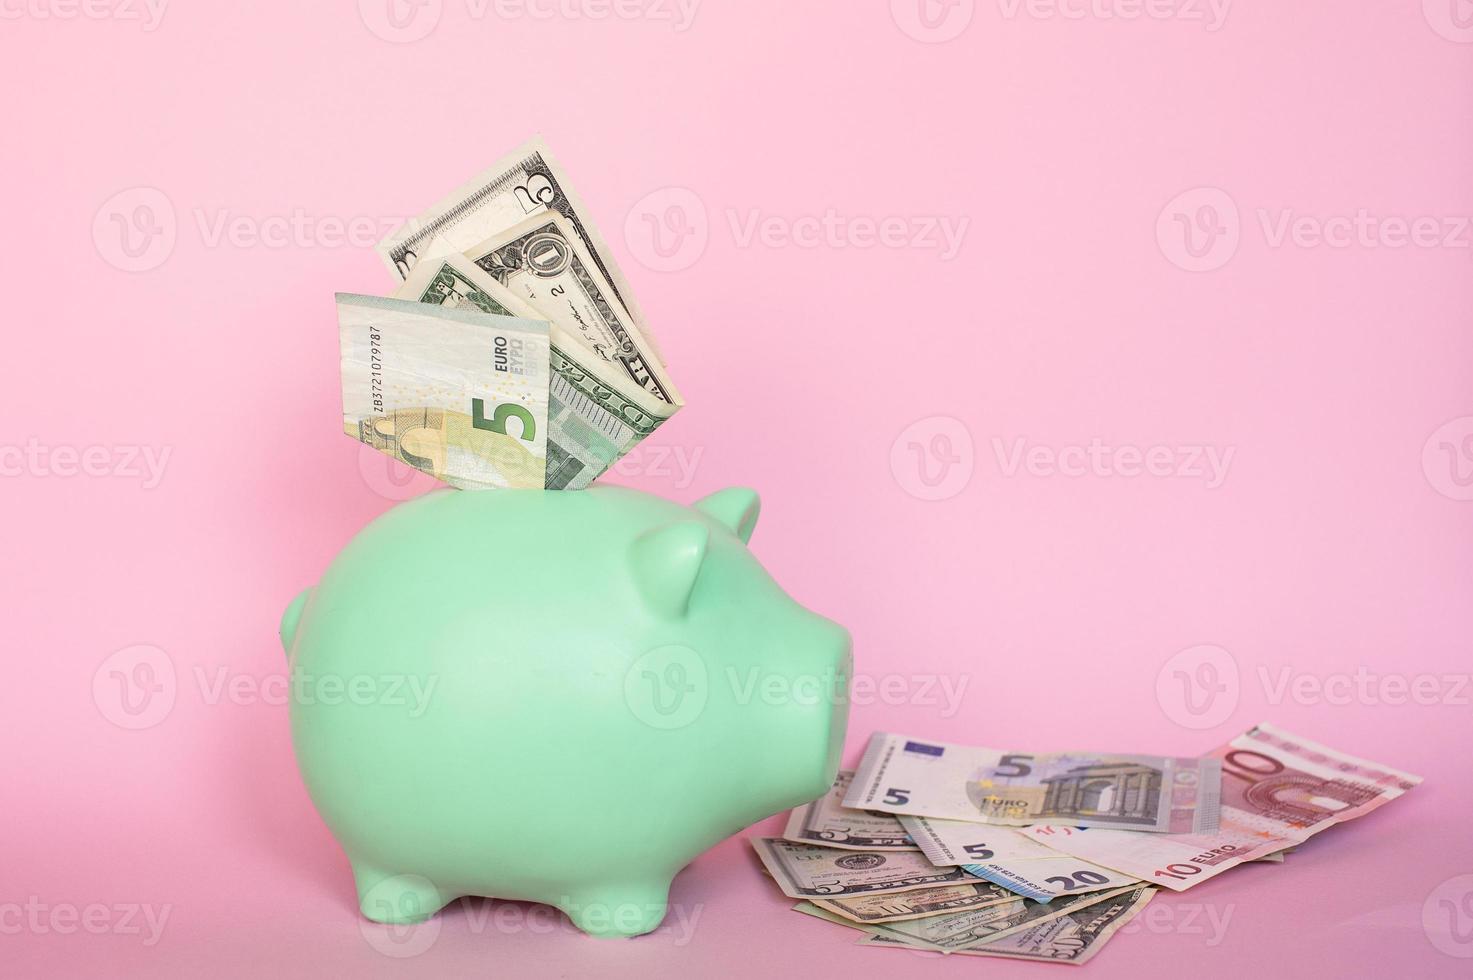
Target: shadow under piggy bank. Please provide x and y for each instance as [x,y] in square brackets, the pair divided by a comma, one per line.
[560,697]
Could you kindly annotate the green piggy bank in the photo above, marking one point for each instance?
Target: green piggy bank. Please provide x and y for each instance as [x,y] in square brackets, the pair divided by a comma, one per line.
[560,697]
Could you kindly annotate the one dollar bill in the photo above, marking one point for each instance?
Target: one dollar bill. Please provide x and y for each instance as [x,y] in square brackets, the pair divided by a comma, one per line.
[1159,794]
[542,261]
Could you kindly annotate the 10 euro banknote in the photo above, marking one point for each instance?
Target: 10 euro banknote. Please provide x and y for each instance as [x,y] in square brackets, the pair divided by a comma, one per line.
[1278,791]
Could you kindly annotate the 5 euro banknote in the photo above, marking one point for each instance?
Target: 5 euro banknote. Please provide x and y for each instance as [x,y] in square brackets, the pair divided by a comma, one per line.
[1158,794]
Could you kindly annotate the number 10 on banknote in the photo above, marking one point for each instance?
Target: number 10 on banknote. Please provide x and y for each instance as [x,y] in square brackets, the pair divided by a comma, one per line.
[1160,794]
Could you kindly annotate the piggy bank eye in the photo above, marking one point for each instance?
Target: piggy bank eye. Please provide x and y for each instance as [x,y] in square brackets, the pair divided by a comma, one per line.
[734,507]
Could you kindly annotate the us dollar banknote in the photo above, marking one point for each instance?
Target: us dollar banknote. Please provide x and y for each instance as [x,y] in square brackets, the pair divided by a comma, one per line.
[1158,794]
[804,871]
[595,415]
[827,822]
[939,932]
[458,394]
[525,182]
[916,904]
[972,928]
[1278,791]
[544,263]
[1075,937]
[1011,859]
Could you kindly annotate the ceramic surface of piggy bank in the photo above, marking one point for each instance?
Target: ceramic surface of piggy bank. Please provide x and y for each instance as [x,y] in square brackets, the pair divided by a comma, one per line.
[560,697]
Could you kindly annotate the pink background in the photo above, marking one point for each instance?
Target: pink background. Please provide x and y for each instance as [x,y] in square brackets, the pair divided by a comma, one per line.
[1077,149]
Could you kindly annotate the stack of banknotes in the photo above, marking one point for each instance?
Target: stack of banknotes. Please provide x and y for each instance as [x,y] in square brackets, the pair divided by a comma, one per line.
[512,353]
[967,850]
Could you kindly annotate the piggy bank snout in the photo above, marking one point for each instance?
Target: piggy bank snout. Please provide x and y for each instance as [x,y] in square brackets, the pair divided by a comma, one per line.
[843,647]
[830,649]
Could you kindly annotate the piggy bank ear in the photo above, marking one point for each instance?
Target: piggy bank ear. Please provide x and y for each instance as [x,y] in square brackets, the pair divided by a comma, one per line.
[666,561]
[736,507]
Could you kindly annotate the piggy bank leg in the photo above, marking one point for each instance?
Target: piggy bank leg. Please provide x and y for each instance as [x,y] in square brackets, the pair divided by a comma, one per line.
[398,899]
[610,910]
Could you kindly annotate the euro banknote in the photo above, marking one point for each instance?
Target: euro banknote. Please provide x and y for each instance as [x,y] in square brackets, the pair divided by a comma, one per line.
[922,777]
[1006,857]
[458,394]
[1278,791]
[827,822]
[595,414]
[804,872]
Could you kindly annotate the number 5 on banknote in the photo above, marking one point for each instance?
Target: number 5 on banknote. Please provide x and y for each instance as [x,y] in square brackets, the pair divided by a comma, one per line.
[1151,793]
